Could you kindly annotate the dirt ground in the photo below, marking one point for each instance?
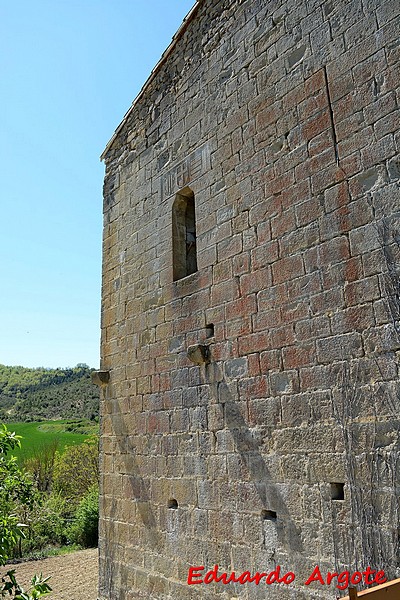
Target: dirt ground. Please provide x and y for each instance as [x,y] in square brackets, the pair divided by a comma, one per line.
[73,576]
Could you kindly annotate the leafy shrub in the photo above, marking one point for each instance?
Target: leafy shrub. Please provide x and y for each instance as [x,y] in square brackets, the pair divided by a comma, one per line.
[60,483]
[85,528]
[15,489]
[41,465]
[77,470]
[11,587]
[47,522]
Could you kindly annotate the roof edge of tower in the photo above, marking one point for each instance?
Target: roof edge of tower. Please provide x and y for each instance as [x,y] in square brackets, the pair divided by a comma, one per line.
[153,73]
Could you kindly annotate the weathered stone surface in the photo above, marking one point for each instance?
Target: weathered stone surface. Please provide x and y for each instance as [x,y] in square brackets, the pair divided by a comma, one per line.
[101,377]
[282,119]
[199,354]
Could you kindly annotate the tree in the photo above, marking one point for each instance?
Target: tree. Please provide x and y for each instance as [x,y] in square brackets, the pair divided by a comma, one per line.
[16,486]
[41,465]
[77,470]
[85,528]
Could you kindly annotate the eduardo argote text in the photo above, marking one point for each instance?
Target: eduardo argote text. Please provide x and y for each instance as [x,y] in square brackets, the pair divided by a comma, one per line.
[198,575]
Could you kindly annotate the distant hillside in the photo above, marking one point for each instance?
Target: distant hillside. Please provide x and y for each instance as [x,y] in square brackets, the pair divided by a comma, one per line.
[37,394]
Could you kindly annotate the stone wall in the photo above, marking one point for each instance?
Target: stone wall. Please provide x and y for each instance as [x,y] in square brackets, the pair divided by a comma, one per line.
[281,118]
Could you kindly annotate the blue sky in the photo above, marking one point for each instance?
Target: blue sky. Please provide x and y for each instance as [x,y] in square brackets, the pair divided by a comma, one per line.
[69,70]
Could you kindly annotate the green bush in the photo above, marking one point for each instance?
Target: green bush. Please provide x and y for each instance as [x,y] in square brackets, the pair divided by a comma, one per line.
[85,527]
[53,505]
[15,490]
[60,482]
[76,470]
[11,587]
[41,464]
[47,522]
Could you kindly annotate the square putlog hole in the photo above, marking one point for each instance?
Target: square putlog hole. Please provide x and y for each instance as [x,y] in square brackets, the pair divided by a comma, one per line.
[337,491]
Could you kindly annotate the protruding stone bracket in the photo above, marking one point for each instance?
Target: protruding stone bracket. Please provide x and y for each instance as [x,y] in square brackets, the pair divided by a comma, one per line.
[199,354]
[100,378]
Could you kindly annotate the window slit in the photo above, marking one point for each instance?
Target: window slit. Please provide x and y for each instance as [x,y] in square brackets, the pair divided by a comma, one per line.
[184,244]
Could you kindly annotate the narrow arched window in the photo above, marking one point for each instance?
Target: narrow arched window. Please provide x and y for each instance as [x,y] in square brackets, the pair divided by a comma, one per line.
[184,234]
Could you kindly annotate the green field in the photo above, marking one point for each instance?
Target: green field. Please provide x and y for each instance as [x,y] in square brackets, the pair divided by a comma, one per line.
[37,435]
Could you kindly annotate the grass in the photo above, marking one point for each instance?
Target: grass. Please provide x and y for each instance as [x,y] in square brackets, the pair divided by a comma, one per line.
[46,553]
[38,435]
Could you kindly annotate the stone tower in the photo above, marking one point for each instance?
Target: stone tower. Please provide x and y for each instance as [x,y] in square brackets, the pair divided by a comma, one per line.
[251,302]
